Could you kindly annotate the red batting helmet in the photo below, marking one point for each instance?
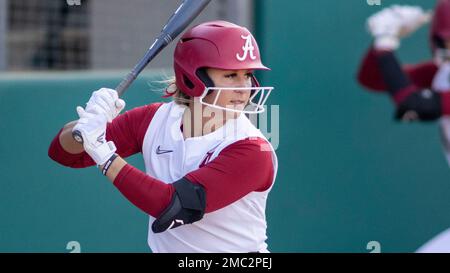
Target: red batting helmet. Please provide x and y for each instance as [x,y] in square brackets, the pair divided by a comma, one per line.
[440,26]
[216,44]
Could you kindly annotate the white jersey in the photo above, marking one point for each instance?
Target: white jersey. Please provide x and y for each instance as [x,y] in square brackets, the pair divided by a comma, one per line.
[439,244]
[441,83]
[238,227]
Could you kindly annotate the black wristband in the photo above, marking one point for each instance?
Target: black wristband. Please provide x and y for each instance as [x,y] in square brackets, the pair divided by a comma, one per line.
[109,163]
[392,72]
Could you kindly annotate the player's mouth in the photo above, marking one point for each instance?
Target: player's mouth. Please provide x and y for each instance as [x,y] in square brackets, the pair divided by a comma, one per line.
[237,102]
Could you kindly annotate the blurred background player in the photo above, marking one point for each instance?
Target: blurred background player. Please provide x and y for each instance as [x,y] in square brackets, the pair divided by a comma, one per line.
[420,92]
[208,169]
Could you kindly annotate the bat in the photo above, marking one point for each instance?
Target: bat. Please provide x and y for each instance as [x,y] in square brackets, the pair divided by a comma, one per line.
[180,19]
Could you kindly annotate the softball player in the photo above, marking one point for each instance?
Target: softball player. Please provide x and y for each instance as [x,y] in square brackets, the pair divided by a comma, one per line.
[208,170]
[422,91]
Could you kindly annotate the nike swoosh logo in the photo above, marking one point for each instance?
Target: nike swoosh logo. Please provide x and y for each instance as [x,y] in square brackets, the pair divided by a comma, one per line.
[159,151]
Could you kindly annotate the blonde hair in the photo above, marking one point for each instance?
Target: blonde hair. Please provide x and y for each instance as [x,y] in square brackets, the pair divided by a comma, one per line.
[178,96]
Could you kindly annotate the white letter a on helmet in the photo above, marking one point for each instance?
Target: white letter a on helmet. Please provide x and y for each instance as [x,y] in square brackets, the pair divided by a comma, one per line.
[248,47]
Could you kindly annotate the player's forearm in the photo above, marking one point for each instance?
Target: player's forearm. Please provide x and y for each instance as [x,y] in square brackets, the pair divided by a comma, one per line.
[67,141]
[115,168]
[147,193]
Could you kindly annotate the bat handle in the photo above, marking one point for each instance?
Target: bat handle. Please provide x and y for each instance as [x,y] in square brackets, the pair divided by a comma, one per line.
[77,136]
[125,83]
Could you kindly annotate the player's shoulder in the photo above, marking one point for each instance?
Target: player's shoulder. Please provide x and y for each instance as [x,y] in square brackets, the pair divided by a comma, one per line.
[253,141]
[251,146]
[139,115]
[144,110]
[422,66]
[256,154]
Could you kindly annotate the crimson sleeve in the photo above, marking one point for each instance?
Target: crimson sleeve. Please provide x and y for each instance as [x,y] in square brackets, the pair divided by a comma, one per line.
[239,169]
[445,103]
[57,153]
[145,192]
[369,74]
[127,131]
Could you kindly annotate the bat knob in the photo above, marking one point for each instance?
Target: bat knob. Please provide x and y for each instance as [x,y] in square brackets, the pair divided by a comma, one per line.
[77,136]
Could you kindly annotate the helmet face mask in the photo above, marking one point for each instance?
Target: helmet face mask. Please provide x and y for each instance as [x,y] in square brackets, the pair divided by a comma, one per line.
[441,55]
[218,45]
[255,105]
[440,29]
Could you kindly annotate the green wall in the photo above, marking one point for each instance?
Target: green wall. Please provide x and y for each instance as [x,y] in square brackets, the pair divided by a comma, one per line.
[348,173]
[44,205]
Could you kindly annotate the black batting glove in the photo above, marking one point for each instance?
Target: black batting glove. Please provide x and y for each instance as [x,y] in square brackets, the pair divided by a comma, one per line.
[423,105]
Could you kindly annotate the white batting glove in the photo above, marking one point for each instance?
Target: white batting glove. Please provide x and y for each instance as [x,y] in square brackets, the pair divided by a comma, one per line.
[92,127]
[393,23]
[105,101]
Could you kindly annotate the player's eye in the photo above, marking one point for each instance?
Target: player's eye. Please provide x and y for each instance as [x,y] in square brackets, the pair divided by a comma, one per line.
[231,75]
[249,75]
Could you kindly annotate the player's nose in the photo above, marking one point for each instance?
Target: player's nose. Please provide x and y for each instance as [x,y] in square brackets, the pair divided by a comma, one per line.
[241,83]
